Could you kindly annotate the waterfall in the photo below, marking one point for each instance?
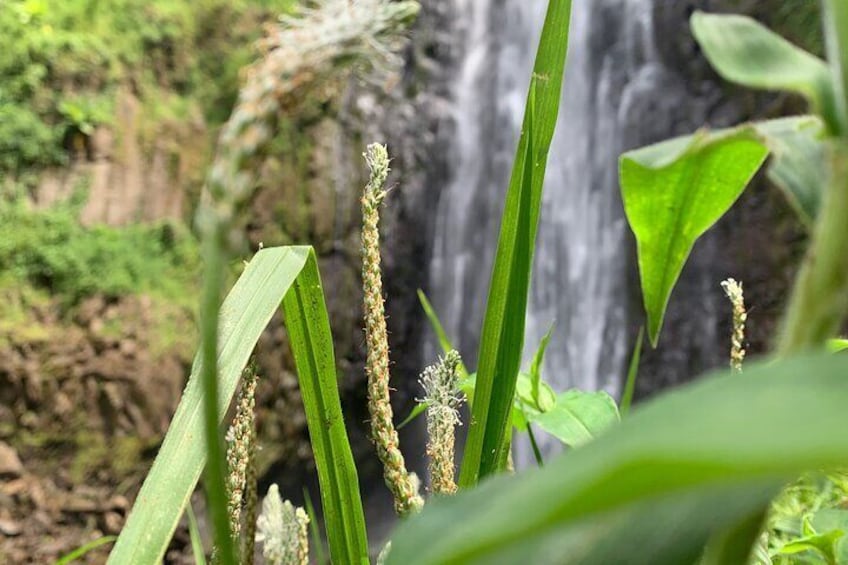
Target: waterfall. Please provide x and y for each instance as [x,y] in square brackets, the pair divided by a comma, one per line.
[580,271]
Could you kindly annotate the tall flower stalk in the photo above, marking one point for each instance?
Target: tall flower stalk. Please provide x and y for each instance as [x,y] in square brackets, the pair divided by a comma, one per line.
[401,483]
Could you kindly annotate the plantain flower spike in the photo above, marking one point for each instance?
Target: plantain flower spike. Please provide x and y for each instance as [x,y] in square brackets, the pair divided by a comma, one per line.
[443,398]
[241,439]
[733,290]
[402,484]
[283,531]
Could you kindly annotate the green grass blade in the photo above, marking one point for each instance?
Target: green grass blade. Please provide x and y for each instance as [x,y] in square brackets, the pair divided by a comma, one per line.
[655,489]
[244,315]
[502,336]
[312,343]
[441,335]
[632,373]
[82,550]
[317,546]
[197,550]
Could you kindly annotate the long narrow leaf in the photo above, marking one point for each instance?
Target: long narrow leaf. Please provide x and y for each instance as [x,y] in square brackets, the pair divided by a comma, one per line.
[655,489]
[632,373]
[244,315]
[312,344]
[502,337]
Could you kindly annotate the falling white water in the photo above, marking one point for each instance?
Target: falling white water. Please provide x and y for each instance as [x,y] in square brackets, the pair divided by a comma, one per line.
[579,277]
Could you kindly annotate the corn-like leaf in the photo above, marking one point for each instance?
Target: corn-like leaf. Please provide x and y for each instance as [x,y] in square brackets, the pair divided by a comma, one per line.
[664,481]
[312,343]
[502,336]
[743,51]
[244,314]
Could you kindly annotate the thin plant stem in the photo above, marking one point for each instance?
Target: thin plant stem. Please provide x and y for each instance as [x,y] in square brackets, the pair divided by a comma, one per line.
[537,453]
[820,297]
[216,491]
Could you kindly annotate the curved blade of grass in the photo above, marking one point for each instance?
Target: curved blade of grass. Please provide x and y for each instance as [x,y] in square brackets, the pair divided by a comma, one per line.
[312,344]
[244,315]
[197,550]
[632,373]
[82,550]
[502,336]
[441,335]
[664,481]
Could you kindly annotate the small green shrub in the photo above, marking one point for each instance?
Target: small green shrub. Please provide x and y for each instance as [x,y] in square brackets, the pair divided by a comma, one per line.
[50,249]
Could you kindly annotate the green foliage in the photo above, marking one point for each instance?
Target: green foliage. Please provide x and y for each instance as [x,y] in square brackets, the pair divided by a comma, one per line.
[654,489]
[673,192]
[62,62]
[245,313]
[312,344]
[51,250]
[82,550]
[502,336]
[745,52]
[632,373]
[577,417]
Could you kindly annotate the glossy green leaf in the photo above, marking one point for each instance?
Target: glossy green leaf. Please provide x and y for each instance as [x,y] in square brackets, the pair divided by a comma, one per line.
[673,192]
[679,469]
[743,51]
[312,344]
[244,315]
[797,165]
[502,336]
[578,417]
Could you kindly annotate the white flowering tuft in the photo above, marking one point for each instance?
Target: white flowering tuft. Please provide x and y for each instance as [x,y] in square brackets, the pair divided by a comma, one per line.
[443,398]
[282,529]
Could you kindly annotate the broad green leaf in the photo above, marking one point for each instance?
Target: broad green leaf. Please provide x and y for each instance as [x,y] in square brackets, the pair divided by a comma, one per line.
[679,469]
[502,336]
[312,344]
[743,51]
[797,165]
[244,314]
[673,192]
[526,399]
[578,417]
[632,373]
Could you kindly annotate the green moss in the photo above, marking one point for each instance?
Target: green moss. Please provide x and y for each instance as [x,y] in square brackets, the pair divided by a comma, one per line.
[52,252]
[63,60]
